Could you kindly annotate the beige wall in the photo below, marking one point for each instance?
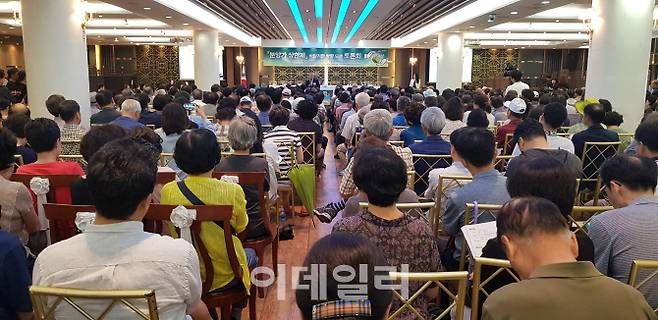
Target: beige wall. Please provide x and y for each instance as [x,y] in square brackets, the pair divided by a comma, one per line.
[11,55]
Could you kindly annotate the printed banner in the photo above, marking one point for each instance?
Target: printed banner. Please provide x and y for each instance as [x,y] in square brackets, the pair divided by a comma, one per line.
[321,57]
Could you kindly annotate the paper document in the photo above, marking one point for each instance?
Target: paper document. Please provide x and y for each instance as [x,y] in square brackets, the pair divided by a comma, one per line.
[477,235]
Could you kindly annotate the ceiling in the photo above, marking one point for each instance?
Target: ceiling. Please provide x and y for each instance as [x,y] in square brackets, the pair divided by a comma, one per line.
[331,23]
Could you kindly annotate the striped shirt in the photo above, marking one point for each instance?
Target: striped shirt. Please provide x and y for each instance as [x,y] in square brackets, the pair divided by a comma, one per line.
[284,138]
[626,234]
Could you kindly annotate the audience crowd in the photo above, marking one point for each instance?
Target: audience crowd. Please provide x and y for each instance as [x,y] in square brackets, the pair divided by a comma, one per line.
[535,154]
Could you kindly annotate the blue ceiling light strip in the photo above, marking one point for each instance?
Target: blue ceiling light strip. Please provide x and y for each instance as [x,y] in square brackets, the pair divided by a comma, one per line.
[294,8]
[319,4]
[344,5]
[364,14]
[318,8]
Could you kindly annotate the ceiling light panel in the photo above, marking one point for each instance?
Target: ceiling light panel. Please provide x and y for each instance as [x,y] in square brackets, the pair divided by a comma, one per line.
[297,15]
[525,36]
[344,6]
[540,26]
[362,17]
[139,32]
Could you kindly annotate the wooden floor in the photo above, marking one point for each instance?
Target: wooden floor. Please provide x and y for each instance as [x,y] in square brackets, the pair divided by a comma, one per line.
[292,252]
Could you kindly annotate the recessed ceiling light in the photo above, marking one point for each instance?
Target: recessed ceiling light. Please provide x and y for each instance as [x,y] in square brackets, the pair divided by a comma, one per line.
[354,11]
[514,12]
[545,2]
[558,20]
[116,39]
[11,28]
[425,42]
[167,17]
[233,43]
[100,15]
[471,27]
[307,11]
[227,40]
[147,8]
[186,24]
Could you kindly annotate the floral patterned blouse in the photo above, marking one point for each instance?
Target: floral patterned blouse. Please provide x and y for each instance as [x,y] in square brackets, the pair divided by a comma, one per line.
[406,240]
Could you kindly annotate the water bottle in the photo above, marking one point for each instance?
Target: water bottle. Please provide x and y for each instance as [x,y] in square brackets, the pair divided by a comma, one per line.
[282,218]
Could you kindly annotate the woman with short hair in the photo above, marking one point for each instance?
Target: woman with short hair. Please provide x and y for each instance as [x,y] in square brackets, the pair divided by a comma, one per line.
[381,175]
[454,110]
[242,134]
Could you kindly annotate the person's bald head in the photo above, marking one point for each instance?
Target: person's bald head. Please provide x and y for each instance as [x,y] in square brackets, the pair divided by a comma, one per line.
[19,108]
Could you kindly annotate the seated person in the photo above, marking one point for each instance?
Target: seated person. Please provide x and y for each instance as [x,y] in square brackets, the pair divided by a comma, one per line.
[594,116]
[93,141]
[114,252]
[197,153]
[542,251]
[264,104]
[224,117]
[147,116]
[283,137]
[612,122]
[242,135]
[454,110]
[106,104]
[307,110]
[456,169]
[53,106]
[381,175]
[477,118]
[627,233]
[174,123]
[18,216]
[344,249]
[433,121]
[476,149]
[532,142]
[552,118]
[352,205]
[415,130]
[43,136]
[516,110]
[69,111]
[16,123]
[14,279]
[130,113]
[376,123]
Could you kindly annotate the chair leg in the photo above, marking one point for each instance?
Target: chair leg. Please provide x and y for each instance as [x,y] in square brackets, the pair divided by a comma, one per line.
[252,304]
[261,261]
[275,256]
[226,312]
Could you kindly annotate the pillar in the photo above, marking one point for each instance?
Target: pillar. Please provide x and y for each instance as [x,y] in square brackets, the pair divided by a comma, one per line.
[618,57]
[206,58]
[55,54]
[450,63]
[251,65]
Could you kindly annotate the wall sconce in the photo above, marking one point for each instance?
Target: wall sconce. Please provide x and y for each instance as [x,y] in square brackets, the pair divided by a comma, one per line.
[413,61]
[239,59]
[16,12]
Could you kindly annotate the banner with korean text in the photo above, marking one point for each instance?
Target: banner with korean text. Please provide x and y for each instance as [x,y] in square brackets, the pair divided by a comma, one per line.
[322,57]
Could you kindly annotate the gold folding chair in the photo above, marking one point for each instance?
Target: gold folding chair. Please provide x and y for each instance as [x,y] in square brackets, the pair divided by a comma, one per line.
[73,158]
[594,155]
[70,146]
[424,163]
[165,158]
[493,129]
[400,127]
[19,159]
[501,162]
[562,130]
[397,143]
[581,216]
[445,136]
[503,266]
[507,148]
[46,301]
[411,179]
[266,127]
[415,209]
[489,211]
[445,186]
[638,266]
[429,278]
[309,148]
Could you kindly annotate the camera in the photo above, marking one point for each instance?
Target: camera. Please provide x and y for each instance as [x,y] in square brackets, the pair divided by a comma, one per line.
[492,18]
[507,72]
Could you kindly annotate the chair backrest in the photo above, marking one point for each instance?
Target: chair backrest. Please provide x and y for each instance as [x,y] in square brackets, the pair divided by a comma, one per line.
[501,268]
[415,209]
[501,162]
[582,215]
[507,147]
[445,186]
[207,213]
[649,270]
[165,158]
[54,181]
[575,118]
[493,129]
[594,154]
[46,301]
[63,213]
[266,127]
[19,159]
[400,127]
[428,278]
[473,215]
[397,143]
[290,146]
[309,148]
[70,146]
[411,179]
[423,164]
[562,130]
[252,179]
[73,158]
[152,126]
[165,177]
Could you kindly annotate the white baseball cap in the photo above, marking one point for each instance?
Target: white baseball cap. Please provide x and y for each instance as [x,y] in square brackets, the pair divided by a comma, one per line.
[517,105]
[245,100]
